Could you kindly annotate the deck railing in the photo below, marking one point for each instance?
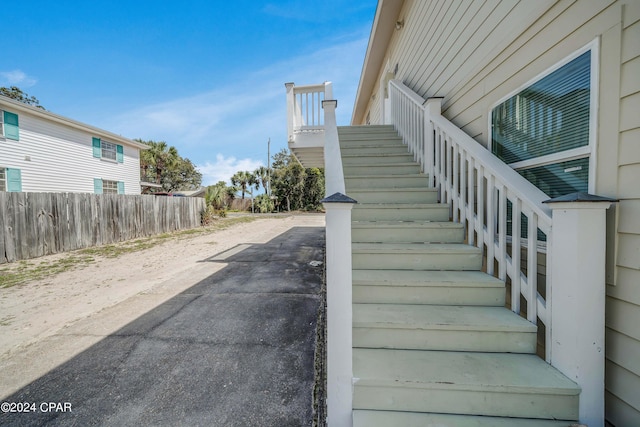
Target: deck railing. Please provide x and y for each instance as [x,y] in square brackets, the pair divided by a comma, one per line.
[505,216]
[305,107]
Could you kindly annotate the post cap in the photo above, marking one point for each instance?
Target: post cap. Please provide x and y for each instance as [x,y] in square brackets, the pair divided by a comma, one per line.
[580,196]
[338,198]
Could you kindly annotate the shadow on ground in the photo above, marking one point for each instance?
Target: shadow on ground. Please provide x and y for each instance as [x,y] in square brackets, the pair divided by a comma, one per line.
[236,349]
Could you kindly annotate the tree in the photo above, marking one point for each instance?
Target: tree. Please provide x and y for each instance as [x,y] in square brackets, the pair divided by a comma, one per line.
[162,164]
[16,93]
[263,174]
[300,188]
[244,180]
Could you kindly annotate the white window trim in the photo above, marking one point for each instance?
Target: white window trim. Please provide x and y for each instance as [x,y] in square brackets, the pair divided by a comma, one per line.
[588,150]
[3,187]
[104,181]
[115,151]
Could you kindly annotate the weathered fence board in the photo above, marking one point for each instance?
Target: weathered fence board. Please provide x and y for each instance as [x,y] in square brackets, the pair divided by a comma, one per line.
[37,224]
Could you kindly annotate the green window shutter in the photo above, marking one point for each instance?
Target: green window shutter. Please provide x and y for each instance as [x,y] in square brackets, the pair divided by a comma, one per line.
[120,187]
[97,185]
[119,153]
[11,129]
[97,149]
[14,180]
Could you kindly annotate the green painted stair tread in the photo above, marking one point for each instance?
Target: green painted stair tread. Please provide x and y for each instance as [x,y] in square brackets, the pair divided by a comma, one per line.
[427,287]
[394,195]
[406,316]
[407,224]
[369,418]
[440,327]
[411,278]
[472,371]
[409,248]
[415,256]
[464,383]
[375,158]
[407,231]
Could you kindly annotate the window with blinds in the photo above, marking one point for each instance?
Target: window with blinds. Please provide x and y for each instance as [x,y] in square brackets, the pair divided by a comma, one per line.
[543,130]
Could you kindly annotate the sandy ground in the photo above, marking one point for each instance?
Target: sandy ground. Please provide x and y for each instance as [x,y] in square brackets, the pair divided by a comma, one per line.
[37,318]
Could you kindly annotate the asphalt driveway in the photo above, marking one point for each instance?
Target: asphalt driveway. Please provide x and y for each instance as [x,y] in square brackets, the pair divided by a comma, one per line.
[236,349]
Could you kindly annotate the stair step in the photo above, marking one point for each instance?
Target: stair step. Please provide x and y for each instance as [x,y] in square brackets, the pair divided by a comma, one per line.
[375,158]
[400,212]
[394,195]
[375,149]
[415,256]
[410,168]
[406,232]
[366,418]
[437,327]
[427,287]
[385,181]
[365,128]
[368,138]
[492,384]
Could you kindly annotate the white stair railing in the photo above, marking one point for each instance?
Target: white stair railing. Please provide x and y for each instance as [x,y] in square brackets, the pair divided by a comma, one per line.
[493,201]
[478,185]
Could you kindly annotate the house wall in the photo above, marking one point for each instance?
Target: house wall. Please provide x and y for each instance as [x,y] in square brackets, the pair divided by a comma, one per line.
[476,53]
[54,157]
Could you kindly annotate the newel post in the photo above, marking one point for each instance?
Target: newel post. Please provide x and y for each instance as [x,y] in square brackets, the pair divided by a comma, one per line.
[290,110]
[432,107]
[339,310]
[577,268]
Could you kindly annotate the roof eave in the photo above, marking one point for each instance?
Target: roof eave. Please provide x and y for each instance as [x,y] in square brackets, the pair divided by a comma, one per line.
[384,24]
[25,108]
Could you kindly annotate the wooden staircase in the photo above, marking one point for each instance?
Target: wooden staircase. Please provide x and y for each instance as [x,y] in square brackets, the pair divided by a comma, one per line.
[433,343]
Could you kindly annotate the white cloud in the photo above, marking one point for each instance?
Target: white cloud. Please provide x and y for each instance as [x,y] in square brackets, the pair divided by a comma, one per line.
[16,78]
[224,168]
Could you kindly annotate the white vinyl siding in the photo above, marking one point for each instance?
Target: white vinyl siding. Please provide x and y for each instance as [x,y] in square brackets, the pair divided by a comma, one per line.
[57,158]
[3,180]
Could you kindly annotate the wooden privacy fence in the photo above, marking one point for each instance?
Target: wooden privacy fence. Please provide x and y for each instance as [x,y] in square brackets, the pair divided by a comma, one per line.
[36,224]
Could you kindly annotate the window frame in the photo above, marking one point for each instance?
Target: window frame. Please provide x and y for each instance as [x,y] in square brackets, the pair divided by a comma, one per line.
[588,151]
[115,151]
[106,186]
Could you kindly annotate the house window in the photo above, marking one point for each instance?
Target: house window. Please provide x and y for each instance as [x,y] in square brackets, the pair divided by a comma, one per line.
[9,128]
[107,150]
[109,187]
[104,186]
[10,180]
[545,130]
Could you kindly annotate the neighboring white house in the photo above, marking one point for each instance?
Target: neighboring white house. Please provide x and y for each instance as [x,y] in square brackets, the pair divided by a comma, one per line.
[44,152]
[510,74]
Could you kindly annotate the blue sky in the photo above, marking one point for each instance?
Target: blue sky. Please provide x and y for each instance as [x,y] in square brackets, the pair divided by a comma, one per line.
[205,76]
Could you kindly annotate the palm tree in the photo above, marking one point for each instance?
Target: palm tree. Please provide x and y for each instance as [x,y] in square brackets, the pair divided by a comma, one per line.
[244,180]
[215,196]
[159,157]
[263,174]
